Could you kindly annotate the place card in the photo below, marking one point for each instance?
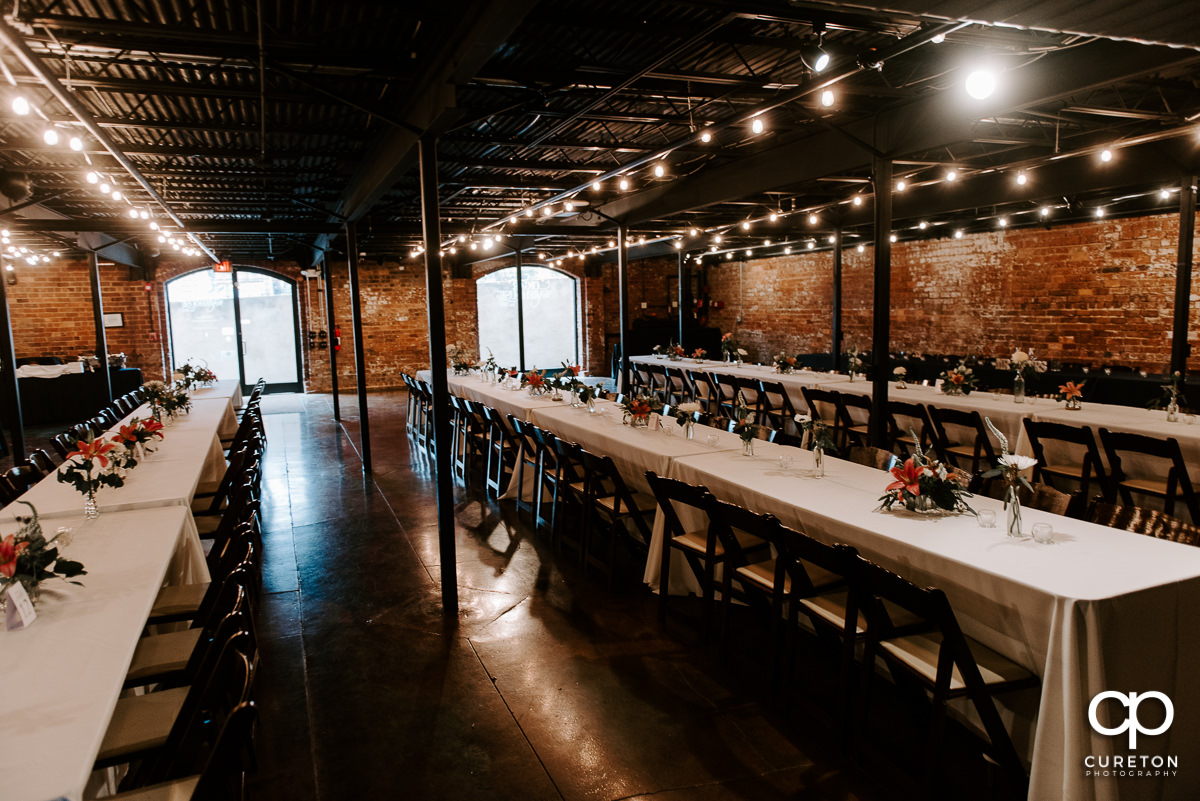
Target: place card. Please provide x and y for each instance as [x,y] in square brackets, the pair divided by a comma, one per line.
[655,421]
[21,613]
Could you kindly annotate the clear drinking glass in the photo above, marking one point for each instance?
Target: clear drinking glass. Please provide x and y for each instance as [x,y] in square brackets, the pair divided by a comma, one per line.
[1043,533]
[987,518]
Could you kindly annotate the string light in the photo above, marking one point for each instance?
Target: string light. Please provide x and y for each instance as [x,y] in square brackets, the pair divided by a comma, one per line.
[20,105]
[812,219]
[659,172]
[951,175]
[76,144]
[595,186]
[827,98]
[50,136]
[706,137]
[857,200]
[958,234]
[692,232]
[773,217]
[901,185]
[1045,211]
[1106,155]
[1022,178]
[624,184]
[756,126]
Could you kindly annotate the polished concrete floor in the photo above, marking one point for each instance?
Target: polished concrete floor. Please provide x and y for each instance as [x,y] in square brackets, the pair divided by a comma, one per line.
[547,685]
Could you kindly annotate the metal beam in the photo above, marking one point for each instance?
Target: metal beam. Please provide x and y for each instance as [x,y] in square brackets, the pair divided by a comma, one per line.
[435,307]
[881,334]
[928,124]
[8,376]
[1180,347]
[623,306]
[360,358]
[98,316]
[334,342]
[836,349]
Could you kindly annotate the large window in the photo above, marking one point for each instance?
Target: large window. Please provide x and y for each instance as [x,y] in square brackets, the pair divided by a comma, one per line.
[548,306]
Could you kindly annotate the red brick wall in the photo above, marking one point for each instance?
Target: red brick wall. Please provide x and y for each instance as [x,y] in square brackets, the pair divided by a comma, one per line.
[1095,292]
[1099,293]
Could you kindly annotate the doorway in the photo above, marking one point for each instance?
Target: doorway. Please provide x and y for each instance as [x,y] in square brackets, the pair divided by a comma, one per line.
[243,323]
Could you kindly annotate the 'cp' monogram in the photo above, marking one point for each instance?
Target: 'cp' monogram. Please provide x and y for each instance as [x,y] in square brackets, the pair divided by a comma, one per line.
[1131,723]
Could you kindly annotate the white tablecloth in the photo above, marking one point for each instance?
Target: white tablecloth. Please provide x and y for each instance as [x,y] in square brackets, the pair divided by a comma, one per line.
[1099,610]
[230,389]
[48,370]
[793,382]
[64,673]
[500,397]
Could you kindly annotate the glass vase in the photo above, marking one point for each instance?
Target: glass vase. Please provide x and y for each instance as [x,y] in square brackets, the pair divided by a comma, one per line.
[1173,411]
[591,404]
[90,510]
[900,384]
[1074,403]
[748,447]
[1019,389]
[1012,507]
[689,429]
[818,462]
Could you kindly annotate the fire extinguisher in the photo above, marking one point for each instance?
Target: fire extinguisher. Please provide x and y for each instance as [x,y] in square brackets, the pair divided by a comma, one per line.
[337,338]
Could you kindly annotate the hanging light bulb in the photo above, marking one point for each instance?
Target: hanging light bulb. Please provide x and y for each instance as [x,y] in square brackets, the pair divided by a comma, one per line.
[1099,211]
[980,84]
[624,184]
[812,219]
[50,136]
[162,238]
[922,225]
[706,137]
[659,172]
[105,188]
[153,226]
[1022,178]
[892,238]
[679,244]
[1164,194]
[773,217]
[76,144]
[857,200]
[20,105]
[787,251]
[133,213]
[92,177]
[1002,222]
[745,225]
[116,195]
[717,239]
[951,175]
[1045,211]
[827,98]
[811,244]
[145,215]
[958,234]
[595,186]
[756,126]
[1106,155]
[692,232]
[861,248]
[901,185]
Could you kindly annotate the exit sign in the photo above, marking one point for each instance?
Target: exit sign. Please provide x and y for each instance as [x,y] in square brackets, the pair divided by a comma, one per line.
[222,267]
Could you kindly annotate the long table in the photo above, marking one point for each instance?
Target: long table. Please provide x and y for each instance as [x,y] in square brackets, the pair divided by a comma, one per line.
[64,673]
[1098,610]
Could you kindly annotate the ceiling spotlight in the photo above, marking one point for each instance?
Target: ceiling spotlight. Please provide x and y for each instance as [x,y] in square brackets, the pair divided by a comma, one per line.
[1164,194]
[756,125]
[706,137]
[941,37]
[20,105]
[951,175]
[981,84]
[901,186]
[1045,211]
[659,172]
[958,234]
[812,219]
[857,200]
[827,98]
[1106,155]
[813,54]
[1022,178]
[624,185]
[76,144]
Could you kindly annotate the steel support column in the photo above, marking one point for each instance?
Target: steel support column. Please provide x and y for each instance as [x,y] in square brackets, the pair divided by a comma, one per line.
[680,292]
[837,298]
[520,312]
[623,306]
[881,173]
[9,370]
[360,359]
[435,304]
[327,277]
[101,335]
[1180,349]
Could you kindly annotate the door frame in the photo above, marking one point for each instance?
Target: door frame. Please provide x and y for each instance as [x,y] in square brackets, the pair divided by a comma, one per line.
[289,386]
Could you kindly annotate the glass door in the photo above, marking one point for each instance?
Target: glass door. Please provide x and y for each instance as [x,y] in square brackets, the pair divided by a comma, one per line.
[240,324]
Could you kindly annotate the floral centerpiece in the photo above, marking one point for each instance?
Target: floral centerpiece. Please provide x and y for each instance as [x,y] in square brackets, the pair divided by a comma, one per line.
[88,468]
[923,484]
[195,376]
[900,372]
[155,392]
[729,346]
[28,558]
[637,411]
[854,362]
[675,352]
[140,436]
[744,425]
[176,400]
[461,361]
[959,380]
[816,437]
[1010,466]
[568,381]
[1020,362]
[685,415]
[1072,394]
[535,381]
[1171,398]
[699,353]
[784,363]
[490,368]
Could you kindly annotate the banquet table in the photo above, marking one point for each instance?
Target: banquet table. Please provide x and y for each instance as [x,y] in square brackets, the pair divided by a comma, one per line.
[64,673]
[501,397]
[1099,609]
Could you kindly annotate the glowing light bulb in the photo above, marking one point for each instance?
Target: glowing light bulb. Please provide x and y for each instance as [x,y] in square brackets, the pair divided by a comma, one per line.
[20,106]
[901,186]
[92,177]
[1164,194]
[717,239]
[679,244]
[1106,155]
[951,175]
[595,186]
[1002,222]
[692,232]
[857,200]
[1022,178]
[1045,211]
[568,206]
[757,125]
[832,239]
[861,248]
[958,234]
[745,225]
[116,195]
[105,188]
[773,217]
[50,136]
[729,256]
[1099,212]
[787,251]
[547,211]
[706,137]
[981,84]
[812,219]
[892,238]
[145,215]
[162,238]
[659,172]
[941,37]
[133,213]
[624,184]
[811,244]
[612,244]
[827,98]
[76,144]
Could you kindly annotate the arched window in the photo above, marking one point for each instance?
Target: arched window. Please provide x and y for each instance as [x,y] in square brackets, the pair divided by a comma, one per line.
[548,305]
